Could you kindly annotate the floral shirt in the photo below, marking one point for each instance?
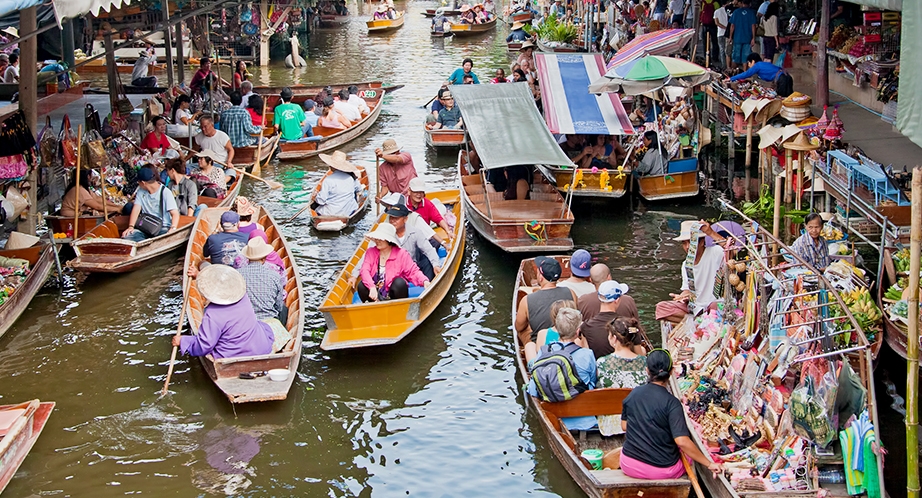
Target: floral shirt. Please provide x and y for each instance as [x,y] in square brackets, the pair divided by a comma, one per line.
[615,371]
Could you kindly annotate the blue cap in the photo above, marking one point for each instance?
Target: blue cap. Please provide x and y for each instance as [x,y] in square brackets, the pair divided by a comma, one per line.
[580,263]
[309,105]
[230,218]
[145,174]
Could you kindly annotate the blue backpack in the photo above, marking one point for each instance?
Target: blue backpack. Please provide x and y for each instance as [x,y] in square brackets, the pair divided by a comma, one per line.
[555,374]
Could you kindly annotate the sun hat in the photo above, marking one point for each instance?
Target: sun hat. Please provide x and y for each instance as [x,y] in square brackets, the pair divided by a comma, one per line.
[256,249]
[390,146]
[518,25]
[221,284]
[4,57]
[145,174]
[338,161]
[207,153]
[685,232]
[230,218]
[385,232]
[12,31]
[548,267]
[800,142]
[528,44]
[244,206]
[393,198]
[19,240]
[417,185]
[580,263]
[465,8]
[610,291]
[382,8]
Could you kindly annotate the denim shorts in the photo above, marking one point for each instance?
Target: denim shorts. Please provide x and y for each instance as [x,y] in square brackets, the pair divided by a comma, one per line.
[740,52]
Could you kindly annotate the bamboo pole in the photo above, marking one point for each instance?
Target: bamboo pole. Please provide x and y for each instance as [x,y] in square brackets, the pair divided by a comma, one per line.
[102,183]
[776,217]
[378,186]
[788,174]
[912,342]
[748,162]
[799,192]
[77,183]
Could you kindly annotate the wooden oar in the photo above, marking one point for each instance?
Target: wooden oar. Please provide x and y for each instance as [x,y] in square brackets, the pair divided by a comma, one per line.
[77,183]
[378,187]
[692,476]
[270,183]
[182,316]
[259,147]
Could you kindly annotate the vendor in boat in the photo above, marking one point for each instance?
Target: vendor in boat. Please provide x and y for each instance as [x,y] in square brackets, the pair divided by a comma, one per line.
[534,310]
[656,435]
[90,203]
[215,180]
[266,288]
[590,304]
[154,199]
[156,141]
[182,118]
[811,246]
[229,327]
[240,75]
[340,189]
[644,112]
[518,33]
[387,269]
[139,73]
[426,209]
[457,76]
[396,169]
[440,23]
[653,162]
[289,118]
[766,71]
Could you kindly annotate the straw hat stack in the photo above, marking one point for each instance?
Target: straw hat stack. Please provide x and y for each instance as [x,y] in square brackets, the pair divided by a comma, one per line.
[796,107]
[800,142]
[835,128]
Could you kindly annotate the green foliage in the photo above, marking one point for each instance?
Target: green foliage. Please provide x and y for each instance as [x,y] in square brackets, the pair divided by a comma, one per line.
[552,30]
[763,209]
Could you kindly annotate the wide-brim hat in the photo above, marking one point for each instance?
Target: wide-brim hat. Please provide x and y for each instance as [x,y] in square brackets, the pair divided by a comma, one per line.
[338,161]
[390,146]
[797,99]
[465,8]
[19,240]
[11,31]
[800,142]
[256,249]
[385,232]
[244,206]
[221,284]
[518,25]
[207,153]
[795,114]
[685,232]
[528,44]
[382,8]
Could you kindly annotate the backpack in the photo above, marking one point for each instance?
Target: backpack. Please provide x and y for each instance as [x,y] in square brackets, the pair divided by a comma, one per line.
[555,374]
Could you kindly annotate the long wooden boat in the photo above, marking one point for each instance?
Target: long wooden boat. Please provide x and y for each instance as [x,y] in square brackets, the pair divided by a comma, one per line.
[559,49]
[326,139]
[247,155]
[607,183]
[609,483]
[812,314]
[102,250]
[445,138]
[303,92]
[224,372]
[333,20]
[41,259]
[895,333]
[514,47]
[17,438]
[65,224]
[431,12]
[520,16]
[385,25]
[337,223]
[680,180]
[354,325]
[508,224]
[460,29]
[440,34]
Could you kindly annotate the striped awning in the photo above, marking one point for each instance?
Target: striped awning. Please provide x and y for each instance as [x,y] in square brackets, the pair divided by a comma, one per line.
[63,9]
[568,105]
[662,42]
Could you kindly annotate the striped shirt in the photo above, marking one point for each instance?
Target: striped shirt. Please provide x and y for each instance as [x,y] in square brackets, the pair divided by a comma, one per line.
[265,288]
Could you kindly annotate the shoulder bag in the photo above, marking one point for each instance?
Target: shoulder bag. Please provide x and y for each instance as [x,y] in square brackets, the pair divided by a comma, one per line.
[149,224]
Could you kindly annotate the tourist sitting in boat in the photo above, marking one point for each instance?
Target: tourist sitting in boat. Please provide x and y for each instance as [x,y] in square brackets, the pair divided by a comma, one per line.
[457,76]
[500,76]
[426,209]
[381,13]
[550,334]
[266,288]
[387,269]
[656,434]
[468,16]
[340,189]
[590,304]
[437,105]
[396,169]
[310,112]
[246,210]
[237,123]
[518,76]
[344,107]
[768,72]
[156,141]
[289,119]
[480,16]
[357,101]
[518,33]
[273,260]
[653,162]
[215,141]
[623,368]
[182,118]
[331,118]
[450,115]
[599,153]
[811,246]
[341,8]
[184,189]
[254,108]
[229,327]
[573,146]
[223,248]
[211,179]
[527,52]
[246,92]
[533,313]
[580,264]
[153,199]
[595,329]
[90,203]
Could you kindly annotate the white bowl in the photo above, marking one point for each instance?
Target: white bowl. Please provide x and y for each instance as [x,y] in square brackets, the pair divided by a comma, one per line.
[278,374]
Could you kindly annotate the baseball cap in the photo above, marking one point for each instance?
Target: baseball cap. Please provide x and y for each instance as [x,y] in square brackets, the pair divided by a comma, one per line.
[580,263]
[309,105]
[145,174]
[610,291]
[398,207]
[417,185]
[230,218]
[549,268]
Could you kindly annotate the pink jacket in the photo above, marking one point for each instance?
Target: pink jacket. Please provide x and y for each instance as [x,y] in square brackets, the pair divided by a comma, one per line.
[399,264]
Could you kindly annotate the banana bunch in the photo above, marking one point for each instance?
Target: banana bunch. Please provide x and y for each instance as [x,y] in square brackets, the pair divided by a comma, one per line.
[863,307]
[901,261]
[832,233]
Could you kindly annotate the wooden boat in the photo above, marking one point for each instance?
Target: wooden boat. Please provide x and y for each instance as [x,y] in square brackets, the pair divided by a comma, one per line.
[102,250]
[521,16]
[588,184]
[65,224]
[681,180]
[224,372]
[440,34]
[387,322]
[460,29]
[337,223]
[895,333]
[301,93]
[41,259]
[326,139]
[431,12]
[385,25]
[606,401]
[559,49]
[247,155]
[445,138]
[514,47]
[20,434]
[332,20]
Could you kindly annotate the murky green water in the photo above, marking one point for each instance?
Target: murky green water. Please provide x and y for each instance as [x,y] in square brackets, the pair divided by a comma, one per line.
[440,414]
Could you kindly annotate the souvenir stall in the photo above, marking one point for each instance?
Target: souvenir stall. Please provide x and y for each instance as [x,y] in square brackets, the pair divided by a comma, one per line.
[777,381]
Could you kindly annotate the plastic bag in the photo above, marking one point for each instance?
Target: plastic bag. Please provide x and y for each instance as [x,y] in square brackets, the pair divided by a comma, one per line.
[68,143]
[811,402]
[19,202]
[47,143]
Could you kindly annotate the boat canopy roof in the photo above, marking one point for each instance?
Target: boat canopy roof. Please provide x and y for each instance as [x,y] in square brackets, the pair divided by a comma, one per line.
[505,127]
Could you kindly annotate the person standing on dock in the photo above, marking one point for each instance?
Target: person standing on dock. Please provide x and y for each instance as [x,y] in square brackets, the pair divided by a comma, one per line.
[396,170]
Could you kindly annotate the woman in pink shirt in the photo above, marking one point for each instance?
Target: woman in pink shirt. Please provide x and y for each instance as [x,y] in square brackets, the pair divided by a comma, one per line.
[387,268]
[425,208]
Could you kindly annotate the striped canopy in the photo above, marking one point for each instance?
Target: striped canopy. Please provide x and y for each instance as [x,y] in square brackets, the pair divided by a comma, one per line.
[662,42]
[568,106]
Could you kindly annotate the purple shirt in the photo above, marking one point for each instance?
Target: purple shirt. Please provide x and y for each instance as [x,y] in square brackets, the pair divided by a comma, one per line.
[230,331]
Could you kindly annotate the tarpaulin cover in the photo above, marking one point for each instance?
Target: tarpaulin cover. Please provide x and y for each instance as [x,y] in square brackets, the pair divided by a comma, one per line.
[10,6]
[568,105]
[505,127]
[909,111]
[662,42]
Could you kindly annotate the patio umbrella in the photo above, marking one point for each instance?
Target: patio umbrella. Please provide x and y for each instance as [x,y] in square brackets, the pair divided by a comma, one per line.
[648,74]
[662,42]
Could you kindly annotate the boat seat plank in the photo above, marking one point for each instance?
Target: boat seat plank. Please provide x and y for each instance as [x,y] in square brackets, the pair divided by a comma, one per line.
[525,210]
[596,402]
[616,478]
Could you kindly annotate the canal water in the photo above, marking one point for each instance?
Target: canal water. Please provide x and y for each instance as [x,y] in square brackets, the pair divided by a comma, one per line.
[439,414]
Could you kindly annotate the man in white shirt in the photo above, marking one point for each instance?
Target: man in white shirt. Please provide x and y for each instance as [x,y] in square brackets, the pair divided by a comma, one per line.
[216,141]
[11,75]
[677,16]
[139,75]
[246,89]
[348,110]
[722,19]
[357,101]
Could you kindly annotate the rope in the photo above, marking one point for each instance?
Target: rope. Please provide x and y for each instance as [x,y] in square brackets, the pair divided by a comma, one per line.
[536,231]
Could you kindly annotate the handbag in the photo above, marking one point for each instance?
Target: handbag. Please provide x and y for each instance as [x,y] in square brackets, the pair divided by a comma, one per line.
[149,224]
[68,142]
[91,118]
[94,150]
[122,104]
[47,143]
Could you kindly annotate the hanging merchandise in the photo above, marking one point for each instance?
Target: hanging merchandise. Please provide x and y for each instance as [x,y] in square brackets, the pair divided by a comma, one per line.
[13,167]
[246,13]
[68,142]
[15,135]
[94,150]
[91,118]
[47,143]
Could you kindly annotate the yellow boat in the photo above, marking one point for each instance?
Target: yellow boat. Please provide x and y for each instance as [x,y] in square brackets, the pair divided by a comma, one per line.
[387,322]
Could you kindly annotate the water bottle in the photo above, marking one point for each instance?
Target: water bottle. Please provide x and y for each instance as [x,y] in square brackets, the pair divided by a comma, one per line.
[831,476]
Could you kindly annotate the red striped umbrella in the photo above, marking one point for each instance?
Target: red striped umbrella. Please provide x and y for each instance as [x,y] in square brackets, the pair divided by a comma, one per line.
[662,42]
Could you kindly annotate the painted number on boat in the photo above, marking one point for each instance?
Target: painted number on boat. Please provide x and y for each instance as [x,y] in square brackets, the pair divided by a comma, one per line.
[368,94]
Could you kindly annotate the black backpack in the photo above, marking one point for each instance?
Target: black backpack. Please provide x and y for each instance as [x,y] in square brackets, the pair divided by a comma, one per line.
[555,374]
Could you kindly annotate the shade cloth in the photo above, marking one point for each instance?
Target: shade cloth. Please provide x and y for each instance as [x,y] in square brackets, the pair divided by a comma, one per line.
[505,127]
[568,106]
[909,110]
[63,9]
[648,74]
[662,42]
